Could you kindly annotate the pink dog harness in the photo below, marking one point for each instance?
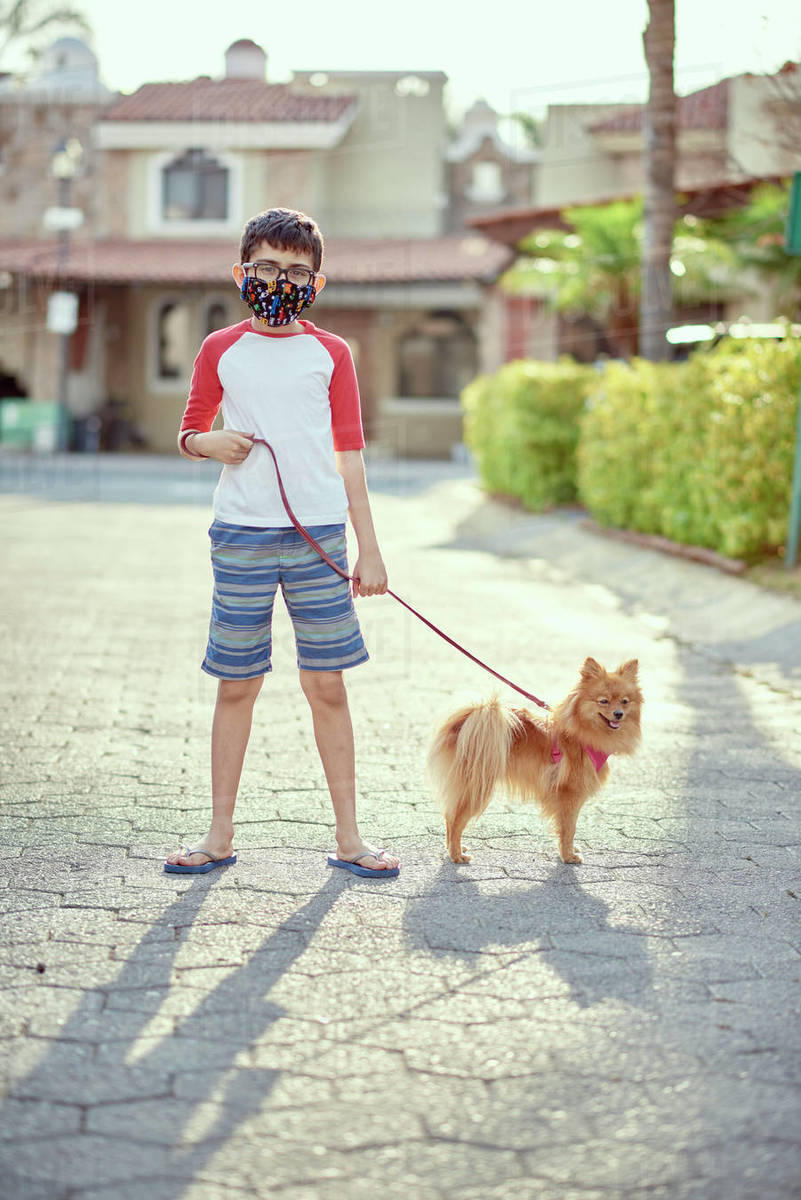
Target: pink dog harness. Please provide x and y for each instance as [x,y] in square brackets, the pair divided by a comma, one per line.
[596,757]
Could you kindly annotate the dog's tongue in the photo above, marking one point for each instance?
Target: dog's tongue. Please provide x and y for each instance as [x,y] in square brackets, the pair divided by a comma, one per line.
[614,724]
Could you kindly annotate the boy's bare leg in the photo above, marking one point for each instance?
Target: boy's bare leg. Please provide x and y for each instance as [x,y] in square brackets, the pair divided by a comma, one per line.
[333,733]
[230,731]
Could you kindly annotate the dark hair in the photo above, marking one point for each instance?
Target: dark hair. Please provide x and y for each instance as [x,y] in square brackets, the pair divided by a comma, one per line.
[287,230]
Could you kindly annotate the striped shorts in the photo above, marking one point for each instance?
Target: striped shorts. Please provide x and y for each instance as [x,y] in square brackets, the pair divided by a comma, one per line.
[249,563]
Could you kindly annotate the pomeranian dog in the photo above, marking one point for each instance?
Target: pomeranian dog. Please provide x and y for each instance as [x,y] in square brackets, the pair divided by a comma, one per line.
[559,761]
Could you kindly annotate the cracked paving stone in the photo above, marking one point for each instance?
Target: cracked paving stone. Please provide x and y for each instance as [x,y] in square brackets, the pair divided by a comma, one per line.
[85,1160]
[66,1073]
[453,1165]
[179,1186]
[512,1029]
[170,1122]
[30,1118]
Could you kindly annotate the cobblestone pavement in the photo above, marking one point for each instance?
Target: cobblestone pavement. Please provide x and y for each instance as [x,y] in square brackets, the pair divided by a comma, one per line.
[510,1030]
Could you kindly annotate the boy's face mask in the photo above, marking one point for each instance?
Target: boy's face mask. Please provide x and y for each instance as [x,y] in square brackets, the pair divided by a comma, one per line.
[276,301]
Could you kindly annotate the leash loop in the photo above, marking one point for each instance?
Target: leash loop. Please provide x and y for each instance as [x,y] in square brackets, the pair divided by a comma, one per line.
[304,533]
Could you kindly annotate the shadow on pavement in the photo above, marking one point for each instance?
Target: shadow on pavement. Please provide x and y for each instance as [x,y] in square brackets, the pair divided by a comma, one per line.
[94,1062]
[779,645]
[465,918]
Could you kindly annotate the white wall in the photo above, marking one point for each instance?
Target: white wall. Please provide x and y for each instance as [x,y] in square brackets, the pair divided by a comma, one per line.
[572,167]
[386,177]
[764,135]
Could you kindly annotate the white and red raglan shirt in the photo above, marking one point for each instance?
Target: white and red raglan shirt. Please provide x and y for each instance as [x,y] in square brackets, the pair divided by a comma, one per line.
[299,392]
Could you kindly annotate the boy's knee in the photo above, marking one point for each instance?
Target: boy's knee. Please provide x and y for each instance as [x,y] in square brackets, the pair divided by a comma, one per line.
[323,687]
[237,691]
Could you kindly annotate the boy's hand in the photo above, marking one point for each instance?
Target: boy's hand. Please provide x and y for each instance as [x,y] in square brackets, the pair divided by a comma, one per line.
[226,445]
[369,576]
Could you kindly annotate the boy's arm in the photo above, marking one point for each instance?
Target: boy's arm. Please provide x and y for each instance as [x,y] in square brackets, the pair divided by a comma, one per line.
[196,439]
[226,445]
[369,573]
[202,406]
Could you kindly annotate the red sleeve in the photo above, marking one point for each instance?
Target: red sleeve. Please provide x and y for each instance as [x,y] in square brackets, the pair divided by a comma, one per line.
[205,389]
[343,392]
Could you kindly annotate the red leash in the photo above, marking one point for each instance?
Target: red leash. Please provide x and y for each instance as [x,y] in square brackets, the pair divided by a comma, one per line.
[325,557]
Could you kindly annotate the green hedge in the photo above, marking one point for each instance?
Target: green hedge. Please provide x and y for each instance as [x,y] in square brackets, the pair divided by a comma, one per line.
[522,426]
[702,451]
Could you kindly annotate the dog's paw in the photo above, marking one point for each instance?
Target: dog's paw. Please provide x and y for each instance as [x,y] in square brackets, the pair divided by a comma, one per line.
[461,857]
[572,856]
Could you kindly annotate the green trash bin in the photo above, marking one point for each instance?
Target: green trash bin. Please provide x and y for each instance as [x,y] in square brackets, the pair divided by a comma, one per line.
[30,425]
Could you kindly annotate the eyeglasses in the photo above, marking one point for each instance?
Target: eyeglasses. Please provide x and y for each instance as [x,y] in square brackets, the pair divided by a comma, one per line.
[269,271]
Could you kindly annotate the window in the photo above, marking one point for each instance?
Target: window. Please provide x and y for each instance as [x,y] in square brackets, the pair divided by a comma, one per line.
[216,317]
[486,185]
[194,188]
[193,193]
[174,352]
[412,85]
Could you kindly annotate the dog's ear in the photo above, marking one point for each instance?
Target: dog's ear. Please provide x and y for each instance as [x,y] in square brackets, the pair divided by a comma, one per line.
[629,668]
[591,669]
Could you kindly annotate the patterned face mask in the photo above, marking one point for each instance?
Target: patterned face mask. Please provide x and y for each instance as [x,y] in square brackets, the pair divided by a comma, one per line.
[276,301]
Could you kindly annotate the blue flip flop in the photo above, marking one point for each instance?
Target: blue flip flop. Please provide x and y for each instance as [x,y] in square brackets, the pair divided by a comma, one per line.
[199,868]
[352,864]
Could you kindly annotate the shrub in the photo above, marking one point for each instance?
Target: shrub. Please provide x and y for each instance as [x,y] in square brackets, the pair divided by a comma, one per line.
[702,451]
[522,425]
[753,421]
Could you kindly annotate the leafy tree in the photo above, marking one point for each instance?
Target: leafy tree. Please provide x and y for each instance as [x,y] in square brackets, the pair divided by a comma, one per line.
[24,22]
[594,267]
[756,235]
[531,128]
[704,266]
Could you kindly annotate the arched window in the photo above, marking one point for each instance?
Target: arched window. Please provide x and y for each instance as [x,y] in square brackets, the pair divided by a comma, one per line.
[194,187]
[437,358]
[216,317]
[174,346]
[486,184]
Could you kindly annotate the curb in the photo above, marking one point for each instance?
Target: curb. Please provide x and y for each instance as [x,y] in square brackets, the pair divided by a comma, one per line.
[654,541]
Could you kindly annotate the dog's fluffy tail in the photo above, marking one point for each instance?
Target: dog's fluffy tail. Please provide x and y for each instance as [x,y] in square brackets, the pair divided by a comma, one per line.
[468,757]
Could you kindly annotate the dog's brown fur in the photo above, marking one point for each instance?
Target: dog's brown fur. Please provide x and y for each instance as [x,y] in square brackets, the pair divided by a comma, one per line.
[485,744]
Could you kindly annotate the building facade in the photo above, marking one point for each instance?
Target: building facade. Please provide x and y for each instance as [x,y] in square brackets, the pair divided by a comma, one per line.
[731,136]
[170,176]
[420,222]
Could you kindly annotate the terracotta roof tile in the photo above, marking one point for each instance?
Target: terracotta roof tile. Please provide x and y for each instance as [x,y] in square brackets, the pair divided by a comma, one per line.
[382,260]
[225,100]
[347,260]
[705,109]
[508,226]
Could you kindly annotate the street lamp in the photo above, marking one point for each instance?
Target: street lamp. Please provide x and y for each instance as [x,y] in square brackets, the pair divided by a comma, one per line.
[62,315]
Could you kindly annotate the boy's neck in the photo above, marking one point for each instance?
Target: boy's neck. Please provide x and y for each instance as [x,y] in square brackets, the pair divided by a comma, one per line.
[265,327]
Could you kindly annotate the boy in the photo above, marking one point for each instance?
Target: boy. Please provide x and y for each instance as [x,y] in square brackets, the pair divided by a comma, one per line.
[282,379]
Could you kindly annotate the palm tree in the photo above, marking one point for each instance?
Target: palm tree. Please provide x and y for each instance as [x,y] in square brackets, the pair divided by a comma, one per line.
[656,303]
[756,235]
[22,21]
[593,269]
